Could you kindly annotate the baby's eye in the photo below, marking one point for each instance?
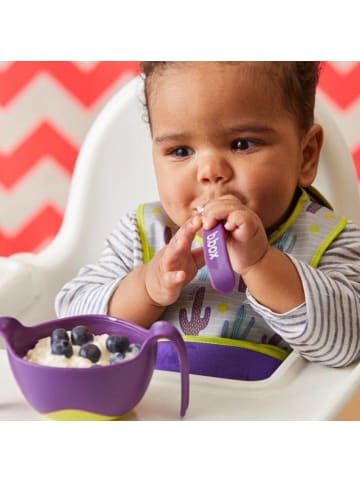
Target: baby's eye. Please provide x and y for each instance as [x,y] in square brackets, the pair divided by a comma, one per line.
[180,152]
[243,144]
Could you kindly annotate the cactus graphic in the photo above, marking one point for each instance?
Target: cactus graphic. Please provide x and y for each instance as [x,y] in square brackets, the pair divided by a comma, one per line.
[196,322]
[241,285]
[313,208]
[240,329]
[239,322]
[225,329]
[167,234]
[239,319]
[202,274]
[275,339]
[286,242]
[247,329]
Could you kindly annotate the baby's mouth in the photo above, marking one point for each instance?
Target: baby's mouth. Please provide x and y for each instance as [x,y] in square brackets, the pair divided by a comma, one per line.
[213,192]
[199,209]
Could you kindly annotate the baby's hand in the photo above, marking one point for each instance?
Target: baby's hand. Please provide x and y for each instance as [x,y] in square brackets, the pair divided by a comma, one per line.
[174,265]
[247,241]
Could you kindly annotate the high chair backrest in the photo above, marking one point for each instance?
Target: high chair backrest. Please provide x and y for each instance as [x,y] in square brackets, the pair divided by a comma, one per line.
[114,173]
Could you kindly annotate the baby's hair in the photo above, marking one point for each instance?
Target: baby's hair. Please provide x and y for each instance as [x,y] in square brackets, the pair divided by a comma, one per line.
[298,82]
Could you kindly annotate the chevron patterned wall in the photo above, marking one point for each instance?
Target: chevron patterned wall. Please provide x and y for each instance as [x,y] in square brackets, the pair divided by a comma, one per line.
[46,109]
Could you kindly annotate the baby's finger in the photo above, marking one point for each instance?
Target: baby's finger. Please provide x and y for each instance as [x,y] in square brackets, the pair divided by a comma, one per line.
[184,237]
[198,256]
[219,210]
[190,228]
[175,252]
[242,224]
[173,279]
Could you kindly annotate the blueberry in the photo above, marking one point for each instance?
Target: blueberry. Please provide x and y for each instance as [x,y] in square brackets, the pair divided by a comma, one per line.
[61,347]
[117,344]
[81,335]
[90,351]
[59,334]
[134,348]
[116,358]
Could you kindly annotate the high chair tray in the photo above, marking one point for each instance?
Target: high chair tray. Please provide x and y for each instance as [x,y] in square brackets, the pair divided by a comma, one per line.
[297,391]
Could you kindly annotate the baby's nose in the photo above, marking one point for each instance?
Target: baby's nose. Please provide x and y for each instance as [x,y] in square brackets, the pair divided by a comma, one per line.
[214,169]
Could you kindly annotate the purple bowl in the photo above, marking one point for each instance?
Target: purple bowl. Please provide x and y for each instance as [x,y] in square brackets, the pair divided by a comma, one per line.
[101,392]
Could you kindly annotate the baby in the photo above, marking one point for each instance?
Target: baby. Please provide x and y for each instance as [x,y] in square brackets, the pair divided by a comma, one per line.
[239,140]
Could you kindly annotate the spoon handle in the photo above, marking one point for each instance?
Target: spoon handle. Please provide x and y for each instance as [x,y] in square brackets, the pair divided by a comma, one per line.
[217,260]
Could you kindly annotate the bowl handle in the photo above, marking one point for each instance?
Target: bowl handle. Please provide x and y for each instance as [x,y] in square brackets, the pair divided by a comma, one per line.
[8,325]
[164,329]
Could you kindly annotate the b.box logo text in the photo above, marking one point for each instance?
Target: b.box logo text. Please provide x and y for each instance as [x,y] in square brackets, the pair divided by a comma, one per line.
[211,243]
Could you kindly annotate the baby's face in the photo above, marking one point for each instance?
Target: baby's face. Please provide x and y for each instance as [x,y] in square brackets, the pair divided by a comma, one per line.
[222,129]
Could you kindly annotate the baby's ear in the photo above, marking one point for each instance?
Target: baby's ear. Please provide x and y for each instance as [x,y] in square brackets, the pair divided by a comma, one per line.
[311,147]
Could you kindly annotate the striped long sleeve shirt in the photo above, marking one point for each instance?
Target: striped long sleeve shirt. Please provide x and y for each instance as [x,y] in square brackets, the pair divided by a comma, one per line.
[324,329]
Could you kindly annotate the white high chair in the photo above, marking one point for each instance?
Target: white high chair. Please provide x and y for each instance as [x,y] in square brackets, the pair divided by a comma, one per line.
[113,174]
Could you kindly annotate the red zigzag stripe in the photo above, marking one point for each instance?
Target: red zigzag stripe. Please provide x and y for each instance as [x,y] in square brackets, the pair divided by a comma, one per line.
[45,140]
[40,227]
[86,86]
[342,87]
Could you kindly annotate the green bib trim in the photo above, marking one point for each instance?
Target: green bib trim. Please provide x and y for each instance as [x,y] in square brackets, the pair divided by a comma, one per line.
[327,241]
[318,197]
[291,219]
[142,233]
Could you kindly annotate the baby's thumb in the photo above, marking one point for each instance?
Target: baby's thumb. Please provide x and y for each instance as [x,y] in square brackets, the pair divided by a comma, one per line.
[198,256]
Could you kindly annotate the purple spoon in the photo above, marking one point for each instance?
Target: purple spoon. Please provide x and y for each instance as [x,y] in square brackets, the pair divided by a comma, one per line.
[217,260]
